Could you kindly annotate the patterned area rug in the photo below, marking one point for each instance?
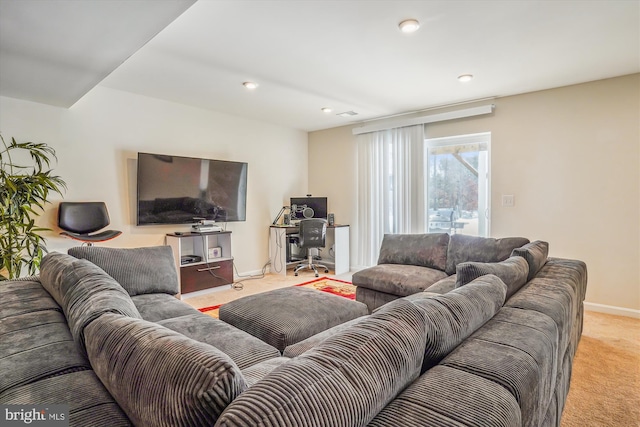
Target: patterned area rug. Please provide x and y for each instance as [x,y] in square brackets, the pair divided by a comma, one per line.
[323,284]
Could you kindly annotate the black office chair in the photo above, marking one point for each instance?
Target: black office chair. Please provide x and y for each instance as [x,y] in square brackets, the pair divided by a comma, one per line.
[81,219]
[313,234]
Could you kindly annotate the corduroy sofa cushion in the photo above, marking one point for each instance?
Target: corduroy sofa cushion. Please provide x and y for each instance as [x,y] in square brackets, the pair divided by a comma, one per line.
[255,373]
[344,381]
[53,269]
[443,286]
[178,381]
[444,396]
[464,248]
[535,253]
[84,291]
[453,316]
[513,272]
[297,349]
[158,307]
[139,270]
[424,250]
[517,349]
[556,300]
[21,297]
[35,345]
[243,348]
[89,402]
[397,279]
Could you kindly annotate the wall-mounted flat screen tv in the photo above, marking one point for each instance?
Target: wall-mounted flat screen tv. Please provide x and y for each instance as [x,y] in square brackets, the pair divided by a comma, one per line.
[186,190]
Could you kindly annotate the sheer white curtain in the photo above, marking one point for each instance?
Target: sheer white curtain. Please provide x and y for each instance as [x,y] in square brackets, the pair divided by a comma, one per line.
[391,192]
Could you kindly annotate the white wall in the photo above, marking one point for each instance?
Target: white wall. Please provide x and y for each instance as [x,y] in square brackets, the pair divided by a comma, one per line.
[571,157]
[97,141]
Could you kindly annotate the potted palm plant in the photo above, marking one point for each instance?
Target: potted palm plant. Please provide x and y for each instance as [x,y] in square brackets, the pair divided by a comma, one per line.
[24,190]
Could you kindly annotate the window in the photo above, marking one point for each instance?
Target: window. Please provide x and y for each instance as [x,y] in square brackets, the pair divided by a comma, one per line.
[457,183]
[407,184]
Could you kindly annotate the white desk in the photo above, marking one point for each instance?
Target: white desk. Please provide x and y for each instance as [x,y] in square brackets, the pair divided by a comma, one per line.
[335,253]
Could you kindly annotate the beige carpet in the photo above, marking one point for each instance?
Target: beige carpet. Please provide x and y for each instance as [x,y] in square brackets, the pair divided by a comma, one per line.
[605,382]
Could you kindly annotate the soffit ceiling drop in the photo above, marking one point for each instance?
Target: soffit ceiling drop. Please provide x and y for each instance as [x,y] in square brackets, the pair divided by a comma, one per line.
[54,52]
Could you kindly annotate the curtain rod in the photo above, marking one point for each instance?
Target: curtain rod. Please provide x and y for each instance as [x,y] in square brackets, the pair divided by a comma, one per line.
[431,118]
[436,107]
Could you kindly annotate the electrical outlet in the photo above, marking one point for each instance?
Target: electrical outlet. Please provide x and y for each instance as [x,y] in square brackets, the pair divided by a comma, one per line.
[508,201]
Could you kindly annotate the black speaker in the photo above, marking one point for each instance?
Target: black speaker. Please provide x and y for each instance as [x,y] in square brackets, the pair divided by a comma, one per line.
[332,219]
[287,219]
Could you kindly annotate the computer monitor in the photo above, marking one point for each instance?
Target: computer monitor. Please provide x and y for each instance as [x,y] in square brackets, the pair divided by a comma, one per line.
[308,207]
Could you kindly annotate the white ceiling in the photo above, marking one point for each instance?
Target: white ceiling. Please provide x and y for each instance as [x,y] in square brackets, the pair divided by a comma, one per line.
[55,51]
[348,55]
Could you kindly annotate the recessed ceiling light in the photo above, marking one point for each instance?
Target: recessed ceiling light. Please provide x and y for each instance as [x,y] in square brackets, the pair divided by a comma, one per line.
[250,85]
[326,109]
[465,78]
[409,25]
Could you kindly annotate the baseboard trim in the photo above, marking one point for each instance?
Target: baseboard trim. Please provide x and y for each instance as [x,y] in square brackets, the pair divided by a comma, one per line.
[611,309]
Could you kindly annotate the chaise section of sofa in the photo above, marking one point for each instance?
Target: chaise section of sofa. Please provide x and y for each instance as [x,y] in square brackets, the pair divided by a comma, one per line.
[412,263]
[407,264]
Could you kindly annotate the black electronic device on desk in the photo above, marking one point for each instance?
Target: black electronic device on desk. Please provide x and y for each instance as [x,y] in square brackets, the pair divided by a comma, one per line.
[308,207]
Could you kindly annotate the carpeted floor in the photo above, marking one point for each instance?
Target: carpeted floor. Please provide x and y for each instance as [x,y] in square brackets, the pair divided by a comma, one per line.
[605,382]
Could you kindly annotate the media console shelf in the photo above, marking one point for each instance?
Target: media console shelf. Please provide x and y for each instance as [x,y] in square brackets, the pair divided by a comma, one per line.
[215,267]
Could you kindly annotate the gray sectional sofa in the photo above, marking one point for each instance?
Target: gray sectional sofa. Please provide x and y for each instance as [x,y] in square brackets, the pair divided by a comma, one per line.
[411,263]
[102,332]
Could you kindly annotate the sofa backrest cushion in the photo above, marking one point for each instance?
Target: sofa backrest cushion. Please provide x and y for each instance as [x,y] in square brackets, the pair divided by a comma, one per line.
[480,249]
[513,272]
[345,380]
[425,250]
[454,316]
[53,268]
[84,291]
[160,377]
[535,253]
[139,270]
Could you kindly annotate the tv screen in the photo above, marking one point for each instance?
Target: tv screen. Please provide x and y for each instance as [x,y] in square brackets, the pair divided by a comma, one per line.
[185,190]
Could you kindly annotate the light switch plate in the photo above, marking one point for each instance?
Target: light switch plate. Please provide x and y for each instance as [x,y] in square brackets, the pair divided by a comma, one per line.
[508,201]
